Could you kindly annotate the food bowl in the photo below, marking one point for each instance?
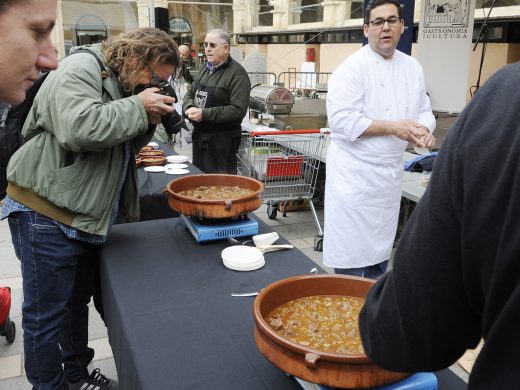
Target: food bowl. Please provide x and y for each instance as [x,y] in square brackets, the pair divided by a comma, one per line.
[148,147]
[151,153]
[153,161]
[216,209]
[325,368]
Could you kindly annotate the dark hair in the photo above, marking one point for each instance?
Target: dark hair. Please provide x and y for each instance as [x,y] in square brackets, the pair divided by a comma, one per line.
[376,3]
[4,4]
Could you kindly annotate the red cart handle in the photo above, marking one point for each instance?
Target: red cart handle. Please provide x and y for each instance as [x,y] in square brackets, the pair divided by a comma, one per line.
[256,133]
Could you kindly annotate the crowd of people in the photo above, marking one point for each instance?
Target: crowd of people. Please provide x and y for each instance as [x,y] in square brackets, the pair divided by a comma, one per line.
[455,275]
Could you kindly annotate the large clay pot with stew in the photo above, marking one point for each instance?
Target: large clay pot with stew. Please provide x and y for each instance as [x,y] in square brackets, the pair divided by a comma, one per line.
[215,209]
[325,368]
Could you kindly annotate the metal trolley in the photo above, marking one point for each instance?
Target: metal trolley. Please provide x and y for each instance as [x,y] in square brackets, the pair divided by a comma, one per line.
[287,162]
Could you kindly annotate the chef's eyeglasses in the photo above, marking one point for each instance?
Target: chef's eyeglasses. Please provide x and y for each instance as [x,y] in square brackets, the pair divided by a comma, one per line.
[212,45]
[392,21]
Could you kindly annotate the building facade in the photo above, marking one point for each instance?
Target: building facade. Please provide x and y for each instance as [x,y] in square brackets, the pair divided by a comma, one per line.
[285,32]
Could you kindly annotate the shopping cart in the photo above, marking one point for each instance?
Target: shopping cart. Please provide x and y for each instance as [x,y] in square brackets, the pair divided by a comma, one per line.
[7,327]
[287,162]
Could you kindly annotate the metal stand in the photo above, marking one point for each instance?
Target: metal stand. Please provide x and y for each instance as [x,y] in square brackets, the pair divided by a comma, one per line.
[482,37]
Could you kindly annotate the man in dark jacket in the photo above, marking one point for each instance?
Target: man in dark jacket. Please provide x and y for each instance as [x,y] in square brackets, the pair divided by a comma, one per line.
[216,103]
[456,273]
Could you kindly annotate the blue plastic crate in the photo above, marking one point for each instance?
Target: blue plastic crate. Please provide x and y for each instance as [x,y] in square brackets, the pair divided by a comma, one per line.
[419,381]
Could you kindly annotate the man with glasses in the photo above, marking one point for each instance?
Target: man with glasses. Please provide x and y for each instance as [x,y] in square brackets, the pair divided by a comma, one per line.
[216,103]
[376,104]
[68,184]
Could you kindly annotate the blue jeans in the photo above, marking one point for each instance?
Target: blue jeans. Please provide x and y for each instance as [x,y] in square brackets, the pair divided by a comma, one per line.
[58,280]
[371,271]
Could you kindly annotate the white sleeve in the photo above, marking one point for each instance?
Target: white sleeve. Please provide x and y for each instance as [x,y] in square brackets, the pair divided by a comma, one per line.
[345,101]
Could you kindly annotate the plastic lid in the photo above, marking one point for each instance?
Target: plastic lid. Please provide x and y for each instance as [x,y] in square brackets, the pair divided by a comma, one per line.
[242,258]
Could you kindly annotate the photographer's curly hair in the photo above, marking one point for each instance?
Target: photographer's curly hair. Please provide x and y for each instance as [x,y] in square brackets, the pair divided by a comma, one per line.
[131,52]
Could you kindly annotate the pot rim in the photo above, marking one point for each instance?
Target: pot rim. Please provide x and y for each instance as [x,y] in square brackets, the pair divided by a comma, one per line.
[297,348]
[256,194]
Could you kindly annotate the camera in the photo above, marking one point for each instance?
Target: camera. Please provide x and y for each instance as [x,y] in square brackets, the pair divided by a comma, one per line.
[172,122]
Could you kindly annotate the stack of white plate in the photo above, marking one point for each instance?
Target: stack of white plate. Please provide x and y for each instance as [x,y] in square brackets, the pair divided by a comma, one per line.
[243,258]
[176,159]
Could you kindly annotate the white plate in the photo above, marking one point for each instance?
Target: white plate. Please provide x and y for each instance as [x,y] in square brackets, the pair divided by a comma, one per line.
[242,258]
[176,171]
[176,159]
[176,166]
[155,168]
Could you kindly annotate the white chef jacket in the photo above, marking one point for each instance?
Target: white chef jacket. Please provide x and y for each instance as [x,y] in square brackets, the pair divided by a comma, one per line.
[363,184]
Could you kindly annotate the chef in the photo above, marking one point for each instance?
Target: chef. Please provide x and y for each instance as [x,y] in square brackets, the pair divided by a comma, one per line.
[376,104]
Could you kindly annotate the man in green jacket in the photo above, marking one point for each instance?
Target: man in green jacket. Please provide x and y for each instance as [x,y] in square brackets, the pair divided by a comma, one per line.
[68,183]
[216,103]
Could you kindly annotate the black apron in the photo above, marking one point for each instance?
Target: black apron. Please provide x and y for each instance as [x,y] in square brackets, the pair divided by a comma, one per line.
[214,149]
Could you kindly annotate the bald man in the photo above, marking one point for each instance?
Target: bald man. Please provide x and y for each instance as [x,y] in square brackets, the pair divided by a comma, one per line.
[184,52]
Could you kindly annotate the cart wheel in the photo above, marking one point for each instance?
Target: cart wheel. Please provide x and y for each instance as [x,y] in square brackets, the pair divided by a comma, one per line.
[11,332]
[272,210]
[318,243]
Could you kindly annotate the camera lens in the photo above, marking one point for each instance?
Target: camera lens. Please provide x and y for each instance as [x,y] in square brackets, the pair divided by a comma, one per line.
[173,123]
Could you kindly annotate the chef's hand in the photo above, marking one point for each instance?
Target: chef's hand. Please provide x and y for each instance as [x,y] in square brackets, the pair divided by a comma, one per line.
[194,114]
[156,104]
[428,141]
[409,130]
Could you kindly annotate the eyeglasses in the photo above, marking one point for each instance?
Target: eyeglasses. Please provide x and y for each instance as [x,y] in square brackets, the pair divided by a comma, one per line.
[380,22]
[213,45]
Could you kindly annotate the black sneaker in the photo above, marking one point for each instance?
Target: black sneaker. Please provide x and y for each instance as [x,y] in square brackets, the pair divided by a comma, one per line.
[95,381]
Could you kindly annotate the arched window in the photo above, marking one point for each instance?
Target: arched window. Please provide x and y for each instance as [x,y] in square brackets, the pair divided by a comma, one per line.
[90,29]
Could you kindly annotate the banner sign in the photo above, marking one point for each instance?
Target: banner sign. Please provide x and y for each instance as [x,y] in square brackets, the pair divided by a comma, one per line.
[444,49]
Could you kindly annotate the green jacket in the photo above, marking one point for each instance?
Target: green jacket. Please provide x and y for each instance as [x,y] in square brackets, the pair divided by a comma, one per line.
[70,172]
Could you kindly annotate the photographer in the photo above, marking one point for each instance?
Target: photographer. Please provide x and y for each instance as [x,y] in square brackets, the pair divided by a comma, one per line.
[67,184]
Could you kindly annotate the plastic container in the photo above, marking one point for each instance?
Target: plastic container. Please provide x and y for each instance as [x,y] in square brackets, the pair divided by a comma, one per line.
[265,239]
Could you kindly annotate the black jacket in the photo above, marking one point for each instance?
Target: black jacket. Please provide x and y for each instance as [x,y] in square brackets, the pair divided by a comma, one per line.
[456,273]
[232,87]
[10,140]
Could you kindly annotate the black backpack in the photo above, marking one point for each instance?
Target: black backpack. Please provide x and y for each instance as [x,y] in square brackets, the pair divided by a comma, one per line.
[12,119]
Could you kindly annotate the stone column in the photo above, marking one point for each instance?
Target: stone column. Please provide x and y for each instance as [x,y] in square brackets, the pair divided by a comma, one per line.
[335,11]
[296,13]
[240,18]
[417,10]
[280,14]
[143,13]
[143,10]
[57,33]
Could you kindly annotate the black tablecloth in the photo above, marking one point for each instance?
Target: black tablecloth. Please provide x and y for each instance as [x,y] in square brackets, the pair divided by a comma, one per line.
[152,198]
[172,322]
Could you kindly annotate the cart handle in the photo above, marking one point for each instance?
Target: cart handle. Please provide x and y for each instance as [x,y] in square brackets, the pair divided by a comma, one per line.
[256,133]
